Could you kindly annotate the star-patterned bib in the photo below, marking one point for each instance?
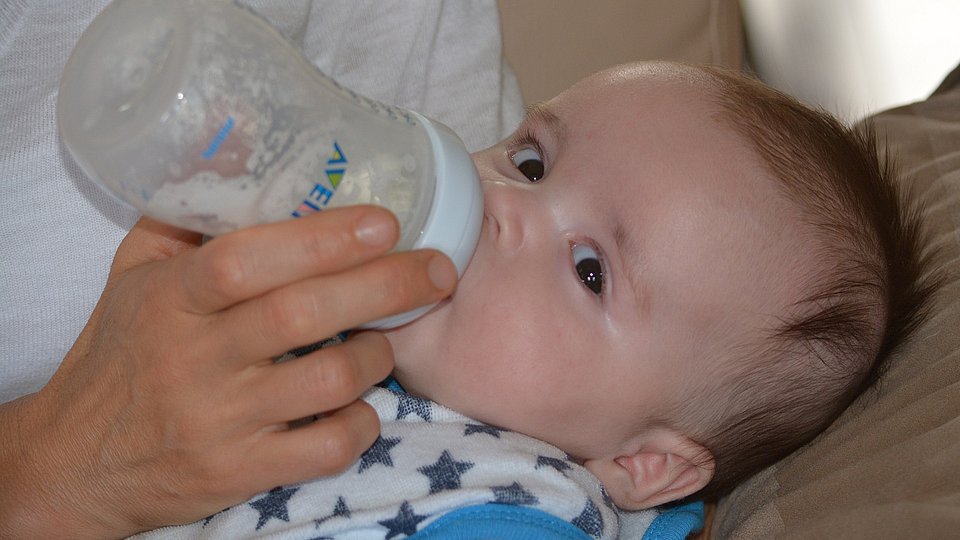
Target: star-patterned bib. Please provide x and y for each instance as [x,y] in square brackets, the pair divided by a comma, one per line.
[429,461]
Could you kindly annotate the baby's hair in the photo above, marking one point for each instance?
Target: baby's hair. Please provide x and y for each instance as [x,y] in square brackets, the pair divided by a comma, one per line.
[871,294]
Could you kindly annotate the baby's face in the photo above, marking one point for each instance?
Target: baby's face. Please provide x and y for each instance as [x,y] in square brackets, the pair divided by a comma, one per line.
[616,284]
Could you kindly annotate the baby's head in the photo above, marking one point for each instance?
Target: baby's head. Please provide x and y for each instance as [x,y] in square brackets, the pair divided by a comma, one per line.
[682,276]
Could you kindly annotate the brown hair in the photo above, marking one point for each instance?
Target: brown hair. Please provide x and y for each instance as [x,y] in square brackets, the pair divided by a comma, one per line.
[870,296]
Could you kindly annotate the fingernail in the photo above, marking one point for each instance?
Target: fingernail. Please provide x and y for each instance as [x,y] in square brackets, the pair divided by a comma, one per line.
[443,274]
[374,230]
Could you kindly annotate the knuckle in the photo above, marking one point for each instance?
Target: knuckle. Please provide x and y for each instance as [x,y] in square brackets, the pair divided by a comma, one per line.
[334,375]
[224,270]
[338,448]
[287,316]
[319,247]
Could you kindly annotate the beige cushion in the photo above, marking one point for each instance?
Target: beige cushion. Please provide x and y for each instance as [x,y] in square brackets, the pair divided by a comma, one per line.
[551,44]
[890,466]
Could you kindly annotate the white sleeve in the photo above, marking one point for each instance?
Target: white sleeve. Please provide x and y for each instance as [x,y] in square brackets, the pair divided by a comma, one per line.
[441,59]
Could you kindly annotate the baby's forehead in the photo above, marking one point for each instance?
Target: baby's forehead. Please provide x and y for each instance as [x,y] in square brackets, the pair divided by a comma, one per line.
[635,95]
[683,83]
[651,105]
[655,71]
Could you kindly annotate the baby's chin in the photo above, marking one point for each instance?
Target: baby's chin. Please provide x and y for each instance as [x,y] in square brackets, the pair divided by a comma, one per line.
[413,342]
[421,343]
[409,374]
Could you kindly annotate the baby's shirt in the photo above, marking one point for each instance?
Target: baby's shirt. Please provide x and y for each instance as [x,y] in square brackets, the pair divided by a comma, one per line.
[433,473]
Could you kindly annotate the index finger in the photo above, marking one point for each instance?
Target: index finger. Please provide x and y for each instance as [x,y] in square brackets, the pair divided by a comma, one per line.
[249,262]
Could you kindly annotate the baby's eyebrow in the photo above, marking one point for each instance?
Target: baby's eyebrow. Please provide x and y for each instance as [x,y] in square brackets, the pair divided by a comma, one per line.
[540,115]
[629,253]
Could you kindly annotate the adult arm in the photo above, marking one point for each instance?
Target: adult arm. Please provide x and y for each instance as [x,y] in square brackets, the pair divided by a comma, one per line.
[168,407]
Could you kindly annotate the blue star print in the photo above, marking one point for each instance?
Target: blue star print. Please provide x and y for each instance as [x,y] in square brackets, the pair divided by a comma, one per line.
[558,464]
[405,522]
[590,520]
[514,494]
[209,518]
[340,510]
[413,405]
[445,473]
[607,500]
[378,453]
[273,505]
[481,428]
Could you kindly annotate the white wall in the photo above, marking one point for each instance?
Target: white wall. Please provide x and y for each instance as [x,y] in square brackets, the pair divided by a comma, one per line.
[853,57]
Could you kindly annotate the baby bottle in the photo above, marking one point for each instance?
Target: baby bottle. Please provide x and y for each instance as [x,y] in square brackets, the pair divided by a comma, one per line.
[200,114]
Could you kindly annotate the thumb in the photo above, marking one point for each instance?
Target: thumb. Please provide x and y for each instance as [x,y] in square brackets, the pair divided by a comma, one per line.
[149,241]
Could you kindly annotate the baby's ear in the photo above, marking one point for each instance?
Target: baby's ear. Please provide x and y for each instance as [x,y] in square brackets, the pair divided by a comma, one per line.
[666,466]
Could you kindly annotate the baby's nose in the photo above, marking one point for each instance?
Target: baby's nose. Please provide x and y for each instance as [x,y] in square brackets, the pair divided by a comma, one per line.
[503,211]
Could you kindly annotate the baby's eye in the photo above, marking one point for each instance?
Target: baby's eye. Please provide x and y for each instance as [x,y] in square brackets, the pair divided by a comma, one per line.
[528,162]
[589,267]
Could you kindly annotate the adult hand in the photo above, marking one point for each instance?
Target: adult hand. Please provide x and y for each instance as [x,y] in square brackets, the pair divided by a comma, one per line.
[168,408]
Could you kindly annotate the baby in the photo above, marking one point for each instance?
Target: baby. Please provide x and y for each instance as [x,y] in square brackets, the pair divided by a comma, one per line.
[682,276]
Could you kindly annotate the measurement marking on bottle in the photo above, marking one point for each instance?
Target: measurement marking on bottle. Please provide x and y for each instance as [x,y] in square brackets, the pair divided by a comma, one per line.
[218,140]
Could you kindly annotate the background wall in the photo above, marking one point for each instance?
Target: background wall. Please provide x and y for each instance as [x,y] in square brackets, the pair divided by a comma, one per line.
[551,44]
[853,57]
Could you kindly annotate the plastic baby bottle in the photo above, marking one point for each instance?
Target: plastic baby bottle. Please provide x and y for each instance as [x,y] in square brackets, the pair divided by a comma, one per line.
[200,114]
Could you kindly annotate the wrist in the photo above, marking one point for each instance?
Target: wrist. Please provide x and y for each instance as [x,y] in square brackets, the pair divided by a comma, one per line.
[32,487]
[19,500]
